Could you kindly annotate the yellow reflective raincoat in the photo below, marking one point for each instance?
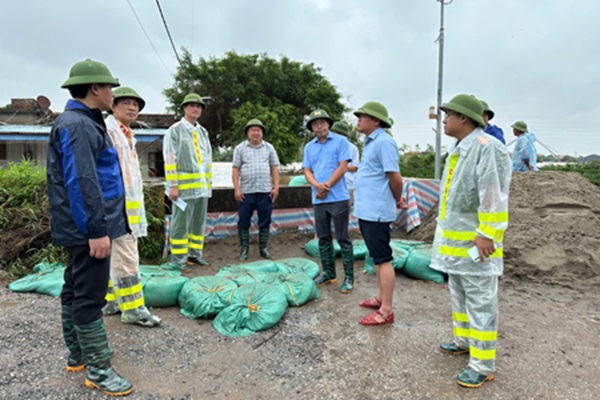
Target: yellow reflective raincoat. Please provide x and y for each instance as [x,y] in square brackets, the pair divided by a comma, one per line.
[473,201]
[124,141]
[188,160]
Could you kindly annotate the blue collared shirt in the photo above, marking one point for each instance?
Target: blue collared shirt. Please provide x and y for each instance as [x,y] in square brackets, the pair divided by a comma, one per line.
[323,159]
[373,197]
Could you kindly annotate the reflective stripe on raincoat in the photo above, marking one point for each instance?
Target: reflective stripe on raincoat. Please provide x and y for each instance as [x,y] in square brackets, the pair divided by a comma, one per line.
[473,201]
[188,160]
[132,176]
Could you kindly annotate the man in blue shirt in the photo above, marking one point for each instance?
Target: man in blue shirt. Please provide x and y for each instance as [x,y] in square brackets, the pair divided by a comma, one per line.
[378,191]
[488,115]
[325,163]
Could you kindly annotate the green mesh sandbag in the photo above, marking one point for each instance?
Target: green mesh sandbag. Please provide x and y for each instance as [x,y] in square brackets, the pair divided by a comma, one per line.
[369,267]
[359,249]
[298,265]
[399,254]
[167,269]
[417,265]
[299,180]
[162,290]
[268,266]
[242,276]
[205,296]
[299,289]
[406,244]
[253,308]
[46,279]
[312,248]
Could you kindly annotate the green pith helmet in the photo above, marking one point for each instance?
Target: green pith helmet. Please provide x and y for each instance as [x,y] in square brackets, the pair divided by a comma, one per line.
[340,127]
[521,126]
[487,110]
[254,122]
[376,110]
[466,105]
[88,72]
[318,114]
[127,92]
[193,98]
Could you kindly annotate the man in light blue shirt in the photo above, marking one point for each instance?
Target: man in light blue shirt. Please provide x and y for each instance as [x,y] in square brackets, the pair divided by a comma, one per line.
[325,163]
[524,155]
[378,191]
[342,128]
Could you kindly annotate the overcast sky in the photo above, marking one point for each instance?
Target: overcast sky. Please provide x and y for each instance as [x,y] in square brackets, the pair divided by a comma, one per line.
[531,60]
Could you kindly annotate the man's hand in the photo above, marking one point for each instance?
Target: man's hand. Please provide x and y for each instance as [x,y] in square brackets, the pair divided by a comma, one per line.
[322,190]
[173,193]
[401,204]
[99,248]
[485,247]
[274,194]
[239,196]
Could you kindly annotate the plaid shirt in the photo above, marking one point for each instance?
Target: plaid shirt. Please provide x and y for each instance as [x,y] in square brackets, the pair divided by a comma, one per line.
[255,166]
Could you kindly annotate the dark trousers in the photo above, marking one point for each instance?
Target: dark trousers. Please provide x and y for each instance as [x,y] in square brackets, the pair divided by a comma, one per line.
[262,203]
[339,212]
[86,283]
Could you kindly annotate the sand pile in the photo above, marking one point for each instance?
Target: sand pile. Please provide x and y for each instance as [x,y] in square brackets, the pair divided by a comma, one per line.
[554,230]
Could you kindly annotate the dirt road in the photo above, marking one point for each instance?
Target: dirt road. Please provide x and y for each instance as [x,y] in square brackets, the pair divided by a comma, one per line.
[549,347]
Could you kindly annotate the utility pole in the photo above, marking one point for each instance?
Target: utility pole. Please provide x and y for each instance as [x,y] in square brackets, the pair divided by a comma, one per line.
[438,130]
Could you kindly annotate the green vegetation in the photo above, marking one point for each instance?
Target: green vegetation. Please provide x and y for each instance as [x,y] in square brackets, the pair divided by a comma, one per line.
[280,92]
[418,164]
[590,169]
[24,219]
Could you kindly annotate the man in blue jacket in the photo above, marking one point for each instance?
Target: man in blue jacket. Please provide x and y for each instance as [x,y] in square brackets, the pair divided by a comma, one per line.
[488,115]
[87,206]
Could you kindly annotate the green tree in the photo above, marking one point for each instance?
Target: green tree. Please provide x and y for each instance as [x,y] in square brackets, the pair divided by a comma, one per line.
[279,92]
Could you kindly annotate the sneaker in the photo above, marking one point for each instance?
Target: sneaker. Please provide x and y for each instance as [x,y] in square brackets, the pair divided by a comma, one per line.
[452,348]
[198,261]
[111,308]
[472,379]
[147,321]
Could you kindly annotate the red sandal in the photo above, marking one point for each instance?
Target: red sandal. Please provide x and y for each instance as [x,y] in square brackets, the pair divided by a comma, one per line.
[374,303]
[370,320]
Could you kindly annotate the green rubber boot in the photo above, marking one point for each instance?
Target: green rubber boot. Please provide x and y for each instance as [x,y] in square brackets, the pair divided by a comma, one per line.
[328,263]
[452,348]
[75,360]
[472,379]
[244,235]
[348,262]
[263,239]
[100,373]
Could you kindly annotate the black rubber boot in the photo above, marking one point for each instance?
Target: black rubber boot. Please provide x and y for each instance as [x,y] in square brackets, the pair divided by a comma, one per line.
[348,262]
[328,263]
[75,360]
[244,235]
[100,372]
[263,239]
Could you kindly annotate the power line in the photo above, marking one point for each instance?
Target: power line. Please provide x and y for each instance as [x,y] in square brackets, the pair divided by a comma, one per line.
[167,29]
[148,37]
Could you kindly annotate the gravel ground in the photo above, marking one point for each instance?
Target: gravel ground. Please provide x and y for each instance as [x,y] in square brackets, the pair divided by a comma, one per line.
[549,348]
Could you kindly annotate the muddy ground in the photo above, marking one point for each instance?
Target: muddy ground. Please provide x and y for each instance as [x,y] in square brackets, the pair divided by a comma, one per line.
[549,346]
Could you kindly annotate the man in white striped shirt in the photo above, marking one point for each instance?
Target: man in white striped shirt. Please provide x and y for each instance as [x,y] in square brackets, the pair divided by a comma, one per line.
[255,178]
